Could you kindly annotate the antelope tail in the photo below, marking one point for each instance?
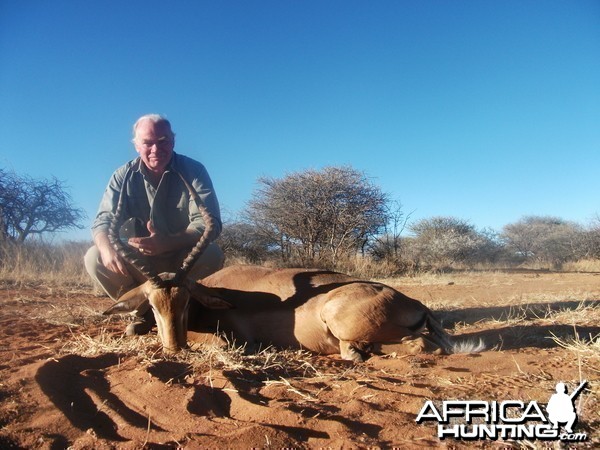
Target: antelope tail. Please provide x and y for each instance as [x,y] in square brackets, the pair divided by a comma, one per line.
[449,343]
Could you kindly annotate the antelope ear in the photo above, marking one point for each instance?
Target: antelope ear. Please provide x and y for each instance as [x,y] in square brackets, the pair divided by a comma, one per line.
[206,296]
[136,300]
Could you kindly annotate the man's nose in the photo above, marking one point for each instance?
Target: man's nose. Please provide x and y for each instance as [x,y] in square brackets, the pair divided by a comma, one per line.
[155,148]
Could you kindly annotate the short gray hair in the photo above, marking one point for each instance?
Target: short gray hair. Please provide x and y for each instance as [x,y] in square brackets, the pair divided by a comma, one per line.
[154,118]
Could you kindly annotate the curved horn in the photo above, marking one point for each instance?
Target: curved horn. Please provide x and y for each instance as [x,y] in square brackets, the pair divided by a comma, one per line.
[205,239]
[126,252]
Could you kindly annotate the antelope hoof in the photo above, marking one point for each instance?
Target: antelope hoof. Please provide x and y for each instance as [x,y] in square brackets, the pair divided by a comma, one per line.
[349,352]
[138,328]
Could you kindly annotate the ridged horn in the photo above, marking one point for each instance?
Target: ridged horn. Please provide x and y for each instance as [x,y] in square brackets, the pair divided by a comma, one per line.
[205,239]
[127,253]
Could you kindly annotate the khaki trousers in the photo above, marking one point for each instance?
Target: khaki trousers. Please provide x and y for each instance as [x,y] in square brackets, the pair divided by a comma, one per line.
[115,284]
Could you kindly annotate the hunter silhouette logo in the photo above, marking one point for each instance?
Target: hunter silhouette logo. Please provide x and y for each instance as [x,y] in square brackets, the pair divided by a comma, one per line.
[509,419]
[561,408]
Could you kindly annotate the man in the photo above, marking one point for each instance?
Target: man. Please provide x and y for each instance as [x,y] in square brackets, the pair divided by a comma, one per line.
[561,409]
[161,220]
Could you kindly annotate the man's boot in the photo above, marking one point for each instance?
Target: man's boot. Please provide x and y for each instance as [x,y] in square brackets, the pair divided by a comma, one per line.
[142,325]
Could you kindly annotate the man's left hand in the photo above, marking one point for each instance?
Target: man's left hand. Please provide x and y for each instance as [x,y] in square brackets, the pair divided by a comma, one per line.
[153,245]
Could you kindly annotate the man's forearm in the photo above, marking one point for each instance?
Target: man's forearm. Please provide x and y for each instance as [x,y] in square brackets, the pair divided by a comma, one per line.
[101,240]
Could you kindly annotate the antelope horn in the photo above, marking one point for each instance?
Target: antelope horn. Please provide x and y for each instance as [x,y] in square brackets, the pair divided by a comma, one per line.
[205,239]
[126,252]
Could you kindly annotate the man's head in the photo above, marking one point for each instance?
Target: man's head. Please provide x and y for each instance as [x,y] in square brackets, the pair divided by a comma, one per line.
[154,141]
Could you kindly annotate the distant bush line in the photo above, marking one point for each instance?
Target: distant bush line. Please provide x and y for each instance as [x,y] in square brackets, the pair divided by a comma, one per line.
[334,218]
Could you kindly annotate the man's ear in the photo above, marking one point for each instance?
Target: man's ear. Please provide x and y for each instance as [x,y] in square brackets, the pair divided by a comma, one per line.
[136,300]
[206,296]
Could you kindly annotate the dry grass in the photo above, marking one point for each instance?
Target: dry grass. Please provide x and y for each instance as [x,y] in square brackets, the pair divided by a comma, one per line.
[199,357]
[586,350]
[585,265]
[38,262]
[548,314]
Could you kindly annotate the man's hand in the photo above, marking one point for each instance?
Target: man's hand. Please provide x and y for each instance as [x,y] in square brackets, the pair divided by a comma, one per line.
[109,256]
[155,244]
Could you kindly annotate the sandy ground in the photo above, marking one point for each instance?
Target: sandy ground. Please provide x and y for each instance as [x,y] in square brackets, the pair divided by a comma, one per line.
[55,395]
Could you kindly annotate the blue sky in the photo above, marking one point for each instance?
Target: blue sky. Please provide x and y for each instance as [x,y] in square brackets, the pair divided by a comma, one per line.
[482,110]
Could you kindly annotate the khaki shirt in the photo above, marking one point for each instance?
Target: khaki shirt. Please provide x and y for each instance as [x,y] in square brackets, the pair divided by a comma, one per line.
[169,207]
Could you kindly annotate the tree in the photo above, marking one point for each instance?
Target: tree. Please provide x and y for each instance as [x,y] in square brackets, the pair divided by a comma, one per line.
[241,240]
[29,206]
[543,239]
[443,241]
[388,245]
[318,214]
[588,246]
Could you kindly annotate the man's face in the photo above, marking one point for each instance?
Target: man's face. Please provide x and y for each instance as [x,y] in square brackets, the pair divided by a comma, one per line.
[154,144]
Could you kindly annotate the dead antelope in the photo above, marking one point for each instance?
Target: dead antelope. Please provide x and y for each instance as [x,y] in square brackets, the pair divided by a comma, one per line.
[322,311]
[167,294]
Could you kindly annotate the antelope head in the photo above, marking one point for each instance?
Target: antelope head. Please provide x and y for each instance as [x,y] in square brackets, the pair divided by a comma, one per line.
[168,294]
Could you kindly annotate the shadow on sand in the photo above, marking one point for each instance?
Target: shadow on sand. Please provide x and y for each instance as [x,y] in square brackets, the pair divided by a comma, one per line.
[526,332]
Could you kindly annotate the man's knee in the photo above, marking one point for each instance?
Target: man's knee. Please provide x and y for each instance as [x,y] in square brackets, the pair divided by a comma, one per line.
[91,260]
[113,284]
[218,258]
[210,261]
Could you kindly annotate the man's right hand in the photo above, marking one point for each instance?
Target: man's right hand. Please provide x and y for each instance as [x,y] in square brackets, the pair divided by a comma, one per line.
[108,255]
[113,262]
